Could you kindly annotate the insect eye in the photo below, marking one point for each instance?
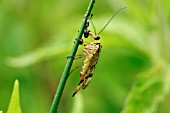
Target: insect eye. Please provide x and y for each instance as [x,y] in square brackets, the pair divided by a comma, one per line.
[86,33]
[97,37]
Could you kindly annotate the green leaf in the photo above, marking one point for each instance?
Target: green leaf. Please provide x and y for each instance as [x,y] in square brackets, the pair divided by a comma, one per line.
[14,106]
[150,89]
[38,55]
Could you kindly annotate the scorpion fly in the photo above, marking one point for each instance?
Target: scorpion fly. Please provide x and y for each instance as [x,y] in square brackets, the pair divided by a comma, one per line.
[91,52]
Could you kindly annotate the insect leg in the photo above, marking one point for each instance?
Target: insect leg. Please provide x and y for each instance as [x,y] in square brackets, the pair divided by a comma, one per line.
[75,68]
[77,56]
[80,41]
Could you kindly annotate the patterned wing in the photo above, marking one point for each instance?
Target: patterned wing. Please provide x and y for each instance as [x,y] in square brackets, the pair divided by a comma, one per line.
[91,69]
[88,67]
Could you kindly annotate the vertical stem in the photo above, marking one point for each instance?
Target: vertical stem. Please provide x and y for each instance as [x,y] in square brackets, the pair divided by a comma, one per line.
[69,63]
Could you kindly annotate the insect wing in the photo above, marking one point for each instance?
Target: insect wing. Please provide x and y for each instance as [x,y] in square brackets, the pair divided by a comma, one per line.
[91,68]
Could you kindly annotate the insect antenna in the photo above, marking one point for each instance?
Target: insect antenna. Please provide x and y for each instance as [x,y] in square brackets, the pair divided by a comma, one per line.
[92,23]
[93,26]
[111,19]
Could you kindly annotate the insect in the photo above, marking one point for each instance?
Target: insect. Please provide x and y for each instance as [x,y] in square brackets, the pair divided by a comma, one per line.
[91,52]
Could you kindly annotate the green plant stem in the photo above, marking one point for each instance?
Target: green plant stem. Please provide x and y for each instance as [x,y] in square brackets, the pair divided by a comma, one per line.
[69,63]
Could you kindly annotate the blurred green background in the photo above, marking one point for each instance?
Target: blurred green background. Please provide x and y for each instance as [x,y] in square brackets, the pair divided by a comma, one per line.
[36,36]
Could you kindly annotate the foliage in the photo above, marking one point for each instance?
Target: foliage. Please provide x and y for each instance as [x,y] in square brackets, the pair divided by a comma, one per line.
[14,106]
[133,69]
[148,92]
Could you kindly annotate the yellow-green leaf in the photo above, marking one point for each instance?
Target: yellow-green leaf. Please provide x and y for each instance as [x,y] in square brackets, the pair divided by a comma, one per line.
[14,106]
[149,90]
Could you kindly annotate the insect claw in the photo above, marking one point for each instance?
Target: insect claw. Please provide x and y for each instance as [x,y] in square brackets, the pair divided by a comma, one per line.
[91,16]
[80,41]
[70,57]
